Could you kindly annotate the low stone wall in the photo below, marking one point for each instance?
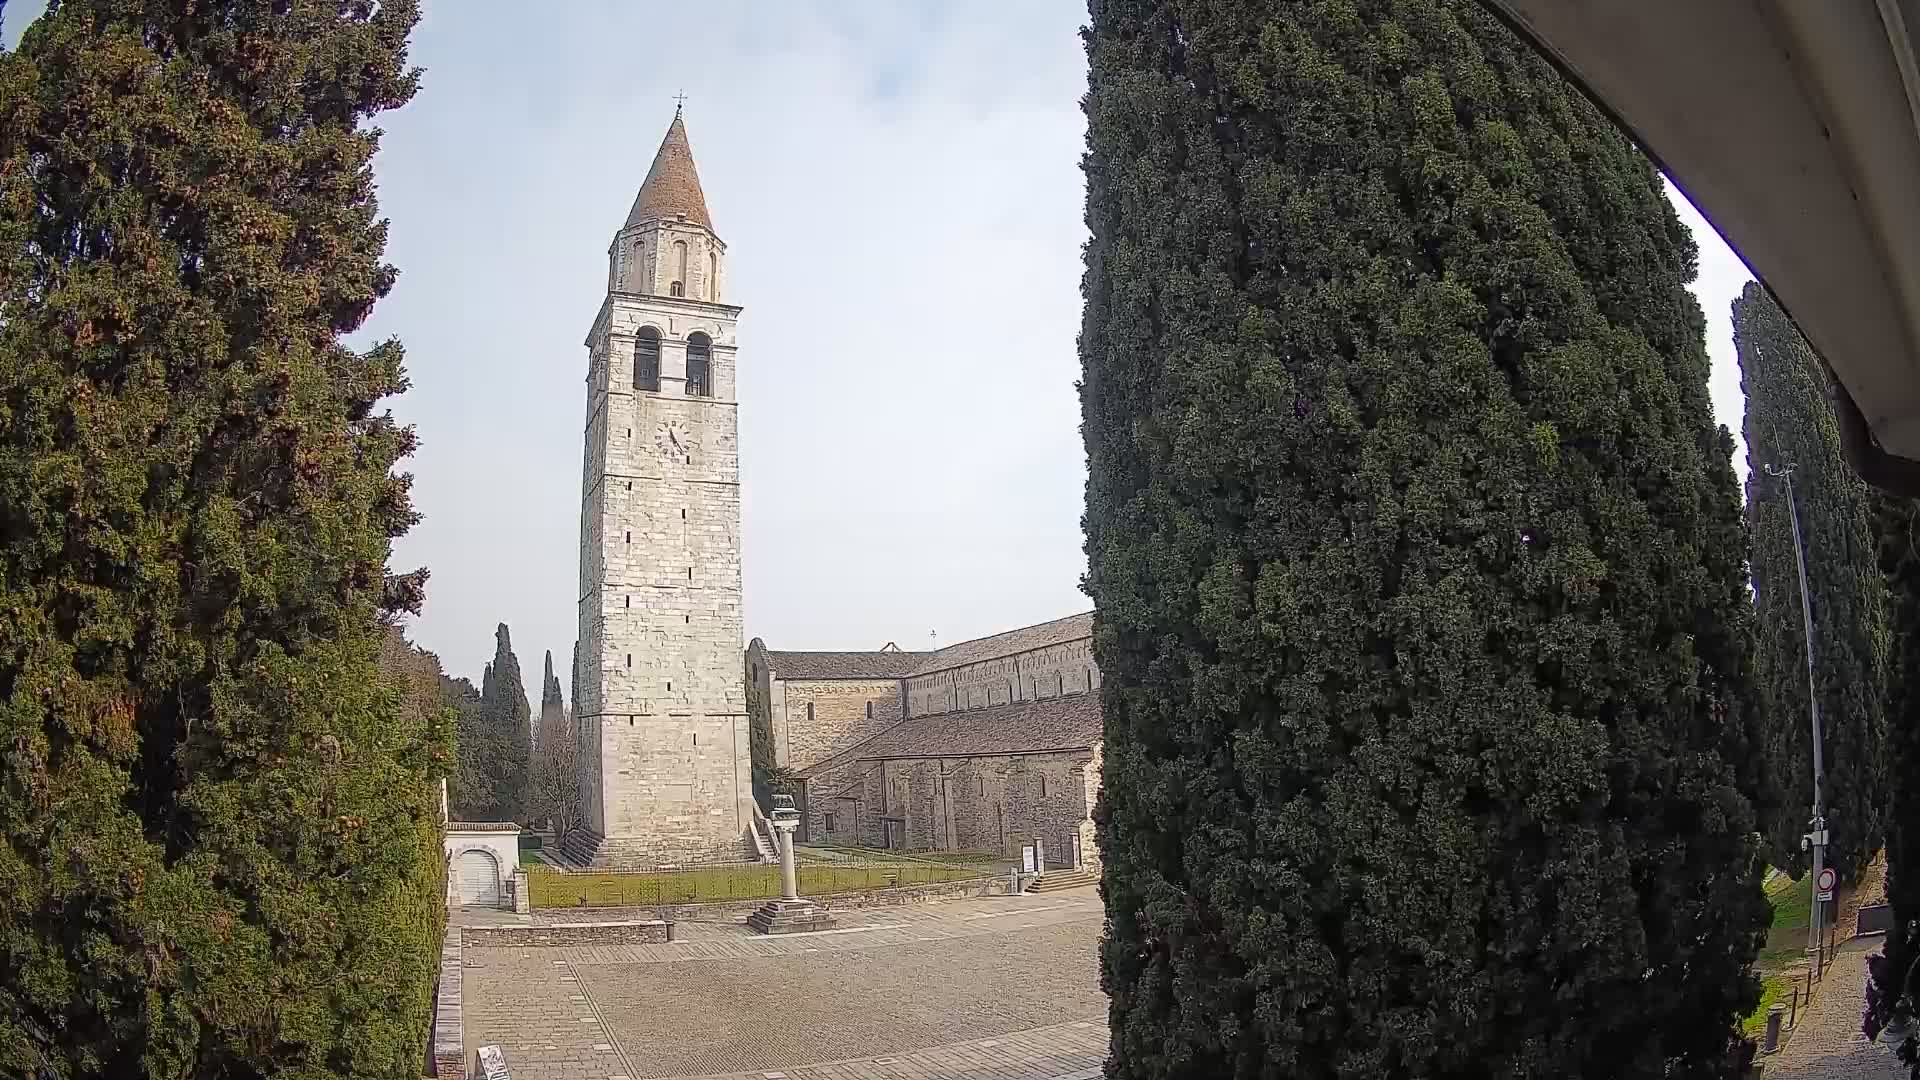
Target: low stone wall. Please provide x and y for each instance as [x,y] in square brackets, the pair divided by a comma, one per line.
[624,932]
[449,1038]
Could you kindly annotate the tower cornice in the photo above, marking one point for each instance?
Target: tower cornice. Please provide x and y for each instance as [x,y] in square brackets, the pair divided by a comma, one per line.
[676,305]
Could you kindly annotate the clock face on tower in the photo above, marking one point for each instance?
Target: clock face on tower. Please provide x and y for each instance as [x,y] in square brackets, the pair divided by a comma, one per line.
[673,440]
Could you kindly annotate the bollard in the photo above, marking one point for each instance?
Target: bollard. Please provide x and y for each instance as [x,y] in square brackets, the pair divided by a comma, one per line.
[1771,1043]
[1793,1018]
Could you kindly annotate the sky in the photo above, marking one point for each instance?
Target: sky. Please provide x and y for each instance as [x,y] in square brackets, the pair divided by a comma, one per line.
[898,185]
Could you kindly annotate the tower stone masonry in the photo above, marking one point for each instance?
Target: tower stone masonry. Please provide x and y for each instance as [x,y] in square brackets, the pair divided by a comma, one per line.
[661,715]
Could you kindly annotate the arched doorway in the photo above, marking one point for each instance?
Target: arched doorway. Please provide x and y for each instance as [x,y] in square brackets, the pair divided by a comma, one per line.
[477,878]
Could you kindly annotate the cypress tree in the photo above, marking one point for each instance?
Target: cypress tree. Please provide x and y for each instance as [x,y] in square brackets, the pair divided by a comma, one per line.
[1892,987]
[220,853]
[510,719]
[553,708]
[1790,421]
[470,789]
[1430,744]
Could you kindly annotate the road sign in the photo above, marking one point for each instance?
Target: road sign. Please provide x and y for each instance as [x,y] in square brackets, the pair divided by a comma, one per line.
[1825,883]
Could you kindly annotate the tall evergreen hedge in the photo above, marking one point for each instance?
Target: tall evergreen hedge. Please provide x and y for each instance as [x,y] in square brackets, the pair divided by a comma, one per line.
[218,822]
[509,720]
[1894,988]
[1431,748]
[1790,421]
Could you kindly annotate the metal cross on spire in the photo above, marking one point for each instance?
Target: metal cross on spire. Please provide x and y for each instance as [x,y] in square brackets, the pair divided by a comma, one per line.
[679,102]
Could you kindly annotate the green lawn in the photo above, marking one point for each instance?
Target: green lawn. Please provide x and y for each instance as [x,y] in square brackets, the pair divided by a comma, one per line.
[548,888]
[1792,901]
[1772,988]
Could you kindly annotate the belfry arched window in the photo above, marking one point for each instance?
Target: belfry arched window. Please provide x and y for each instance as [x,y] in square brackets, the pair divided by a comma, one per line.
[713,277]
[679,268]
[699,365]
[646,360]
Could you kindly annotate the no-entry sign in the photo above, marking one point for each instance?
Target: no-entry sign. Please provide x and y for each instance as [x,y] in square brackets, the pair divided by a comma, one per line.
[1823,885]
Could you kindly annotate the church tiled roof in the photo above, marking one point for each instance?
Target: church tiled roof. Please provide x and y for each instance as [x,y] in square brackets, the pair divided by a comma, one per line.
[672,186]
[1061,723]
[1025,639]
[843,665]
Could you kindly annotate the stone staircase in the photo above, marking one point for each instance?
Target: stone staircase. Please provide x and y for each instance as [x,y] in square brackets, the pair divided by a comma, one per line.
[1057,880]
[759,840]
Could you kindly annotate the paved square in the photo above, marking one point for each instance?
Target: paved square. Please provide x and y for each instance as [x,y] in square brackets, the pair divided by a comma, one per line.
[979,988]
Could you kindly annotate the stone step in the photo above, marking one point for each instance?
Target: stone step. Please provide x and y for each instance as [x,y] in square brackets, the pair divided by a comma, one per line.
[1056,880]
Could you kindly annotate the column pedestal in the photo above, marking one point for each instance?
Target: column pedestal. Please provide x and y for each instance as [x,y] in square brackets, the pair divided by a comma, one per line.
[790,917]
[790,914]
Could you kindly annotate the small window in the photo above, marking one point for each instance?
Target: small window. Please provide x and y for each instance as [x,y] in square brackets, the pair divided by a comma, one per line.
[679,268]
[629,536]
[629,659]
[830,824]
[646,363]
[869,710]
[669,686]
[713,276]
[982,781]
[629,600]
[696,738]
[678,288]
[699,365]
[1043,785]
[809,712]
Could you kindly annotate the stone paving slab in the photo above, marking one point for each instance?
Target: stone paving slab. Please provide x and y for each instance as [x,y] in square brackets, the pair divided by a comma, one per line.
[956,994]
[1070,1051]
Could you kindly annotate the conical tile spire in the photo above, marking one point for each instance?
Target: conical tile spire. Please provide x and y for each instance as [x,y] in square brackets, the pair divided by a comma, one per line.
[672,186]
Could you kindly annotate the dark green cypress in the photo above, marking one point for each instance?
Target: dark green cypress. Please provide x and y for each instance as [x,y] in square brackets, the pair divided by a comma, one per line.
[471,793]
[219,849]
[1893,988]
[1430,741]
[510,719]
[1790,421]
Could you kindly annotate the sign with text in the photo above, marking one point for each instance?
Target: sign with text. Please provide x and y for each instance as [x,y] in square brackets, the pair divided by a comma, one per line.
[1823,886]
[490,1064]
[1026,859]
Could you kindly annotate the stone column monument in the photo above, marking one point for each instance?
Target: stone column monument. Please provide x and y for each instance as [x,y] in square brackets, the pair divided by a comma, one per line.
[789,914]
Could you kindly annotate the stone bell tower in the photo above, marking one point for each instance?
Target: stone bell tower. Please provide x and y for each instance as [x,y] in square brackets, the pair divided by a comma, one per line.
[662,715]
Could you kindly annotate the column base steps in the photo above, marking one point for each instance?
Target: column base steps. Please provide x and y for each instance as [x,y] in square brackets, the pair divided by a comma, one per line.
[790,917]
[1056,880]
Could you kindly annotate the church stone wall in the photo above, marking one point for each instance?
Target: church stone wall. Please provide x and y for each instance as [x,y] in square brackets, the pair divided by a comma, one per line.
[818,718]
[986,803]
[1028,676]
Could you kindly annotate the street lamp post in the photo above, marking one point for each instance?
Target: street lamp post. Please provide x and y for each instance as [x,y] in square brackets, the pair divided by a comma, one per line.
[1816,840]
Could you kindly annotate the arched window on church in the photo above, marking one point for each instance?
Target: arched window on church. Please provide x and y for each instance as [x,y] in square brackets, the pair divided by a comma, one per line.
[713,277]
[679,268]
[646,360]
[699,365]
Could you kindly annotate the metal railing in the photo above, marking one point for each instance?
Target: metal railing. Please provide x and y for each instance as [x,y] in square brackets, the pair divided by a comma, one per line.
[714,882]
